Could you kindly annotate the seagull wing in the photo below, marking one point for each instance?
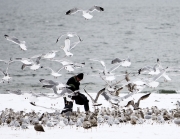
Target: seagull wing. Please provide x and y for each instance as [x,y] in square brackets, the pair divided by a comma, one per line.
[131,102]
[5,61]
[114,68]
[59,37]
[159,75]
[48,86]
[104,94]
[55,90]
[118,91]
[97,8]
[49,69]
[89,96]
[79,65]
[74,44]
[7,69]
[36,56]
[48,82]
[2,72]
[115,98]
[66,91]
[73,11]
[13,39]
[60,69]
[38,60]
[127,77]
[145,69]
[64,62]
[142,98]
[166,77]
[116,60]
[102,62]
[128,95]
[98,94]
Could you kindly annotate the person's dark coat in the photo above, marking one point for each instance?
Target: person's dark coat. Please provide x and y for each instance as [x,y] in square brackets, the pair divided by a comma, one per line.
[73,83]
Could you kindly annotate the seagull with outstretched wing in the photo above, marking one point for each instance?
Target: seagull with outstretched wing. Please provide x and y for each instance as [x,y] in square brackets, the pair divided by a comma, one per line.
[86,13]
[136,105]
[68,34]
[94,101]
[16,41]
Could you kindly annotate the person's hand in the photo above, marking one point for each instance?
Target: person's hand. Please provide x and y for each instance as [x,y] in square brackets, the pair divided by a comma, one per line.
[76,93]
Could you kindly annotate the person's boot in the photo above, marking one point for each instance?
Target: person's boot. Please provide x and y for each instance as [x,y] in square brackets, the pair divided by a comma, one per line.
[68,107]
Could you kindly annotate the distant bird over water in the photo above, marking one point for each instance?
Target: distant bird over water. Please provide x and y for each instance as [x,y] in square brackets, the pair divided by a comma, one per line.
[86,13]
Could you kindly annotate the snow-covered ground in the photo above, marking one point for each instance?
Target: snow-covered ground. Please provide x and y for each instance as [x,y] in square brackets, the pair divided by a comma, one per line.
[144,131]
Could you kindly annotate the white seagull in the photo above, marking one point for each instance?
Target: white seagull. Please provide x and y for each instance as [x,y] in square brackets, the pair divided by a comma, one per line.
[94,101]
[51,84]
[54,73]
[34,65]
[6,77]
[123,62]
[118,99]
[68,47]
[69,34]
[107,74]
[86,13]
[50,55]
[69,65]
[156,69]
[17,41]
[105,71]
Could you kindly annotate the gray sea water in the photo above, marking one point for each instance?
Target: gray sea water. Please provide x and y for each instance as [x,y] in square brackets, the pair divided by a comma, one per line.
[144,30]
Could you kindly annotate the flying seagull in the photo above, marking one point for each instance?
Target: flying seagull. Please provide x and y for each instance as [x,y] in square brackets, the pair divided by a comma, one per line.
[123,62]
[94,101]
[16,41]
[55,73]
[68,34]
[34,65]
[136,105]
[69,46]
[86,13]
[118,99]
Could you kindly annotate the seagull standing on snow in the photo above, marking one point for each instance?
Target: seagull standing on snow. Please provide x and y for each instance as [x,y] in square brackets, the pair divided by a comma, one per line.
[86,13]
[17,41]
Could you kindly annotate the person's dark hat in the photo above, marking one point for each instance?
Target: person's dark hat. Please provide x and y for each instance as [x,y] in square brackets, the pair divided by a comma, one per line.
[80,76]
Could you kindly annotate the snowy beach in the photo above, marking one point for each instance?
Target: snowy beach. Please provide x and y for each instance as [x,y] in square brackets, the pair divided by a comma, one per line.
[125,47]
[146,130]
